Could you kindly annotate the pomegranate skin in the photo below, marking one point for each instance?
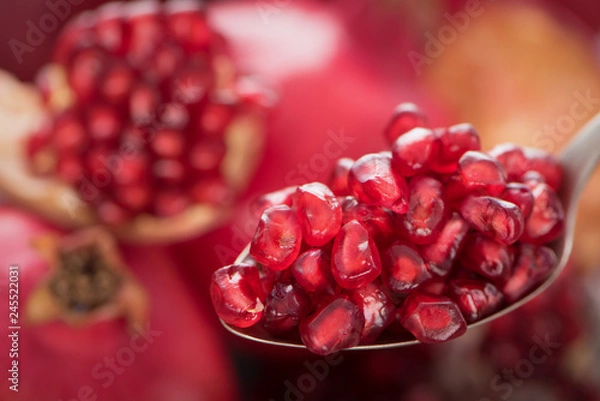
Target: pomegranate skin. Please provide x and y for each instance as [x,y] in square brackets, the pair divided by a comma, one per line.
[319,213]
[372,181]
[278,237]
[163,361]
[355,259]
[343,315]
[494,217]
[432,319]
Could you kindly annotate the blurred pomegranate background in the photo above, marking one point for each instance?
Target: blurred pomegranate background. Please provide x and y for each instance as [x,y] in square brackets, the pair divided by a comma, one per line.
[520,71]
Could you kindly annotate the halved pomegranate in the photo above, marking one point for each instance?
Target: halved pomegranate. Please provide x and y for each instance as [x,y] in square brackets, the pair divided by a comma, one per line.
[149,128]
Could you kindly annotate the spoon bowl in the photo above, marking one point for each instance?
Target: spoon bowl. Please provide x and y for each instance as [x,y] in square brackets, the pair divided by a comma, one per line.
[579,160]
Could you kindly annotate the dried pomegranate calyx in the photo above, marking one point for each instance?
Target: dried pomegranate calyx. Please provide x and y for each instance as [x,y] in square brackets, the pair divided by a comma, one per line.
[88,281]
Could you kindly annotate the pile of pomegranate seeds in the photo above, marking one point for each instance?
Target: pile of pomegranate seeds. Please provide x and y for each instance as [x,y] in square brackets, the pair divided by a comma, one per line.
[429,238]
[139,122]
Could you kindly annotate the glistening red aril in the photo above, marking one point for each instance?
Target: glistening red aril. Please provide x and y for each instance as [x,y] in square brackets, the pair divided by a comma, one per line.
[432,319]
[415,151]
[426,213]
[319,213]
[278,238]
[498,219]
[235,295]
[337,325]
[355,258]
[427,244]
[372,181]
[406,117]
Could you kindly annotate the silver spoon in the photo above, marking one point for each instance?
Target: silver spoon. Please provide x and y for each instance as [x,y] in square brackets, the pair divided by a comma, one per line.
[579,160]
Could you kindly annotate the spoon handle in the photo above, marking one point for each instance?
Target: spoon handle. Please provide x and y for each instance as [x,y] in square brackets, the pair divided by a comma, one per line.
[579,160]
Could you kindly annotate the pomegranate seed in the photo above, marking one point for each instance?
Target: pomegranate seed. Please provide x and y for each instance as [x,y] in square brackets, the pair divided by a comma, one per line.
[168,143]
[319,213]
[143,102]
[403,268]
[214,191]
[173,115]
[532,266]
[113,35]
[545,164]
[532,178]
[432,319]
[117,84]
[494,217]
[312,270]
[372,181]
[169,171]
[441,254]
[69,169]
[480,171]
[166,61]
[133,169]
[112,214]
[435,286]
[286,306]
[520,195]
[406,117]
[425,217]
[135,197]
[355,258]
[234,296]
[207,155]
[276,243]
[69,134]
[339,176]
[512,158]
[546,222]
[104,124]
[170,202]
[215,118]
[414,151]
[190,29]
[486,257]
[476,299]
[455,142]
[379,221]
[282,197]
[85,71]
[377,308]
[335,326]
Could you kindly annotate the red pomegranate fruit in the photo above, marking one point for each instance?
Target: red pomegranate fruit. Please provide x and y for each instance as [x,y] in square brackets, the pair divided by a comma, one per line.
[104,315]
[360,263]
